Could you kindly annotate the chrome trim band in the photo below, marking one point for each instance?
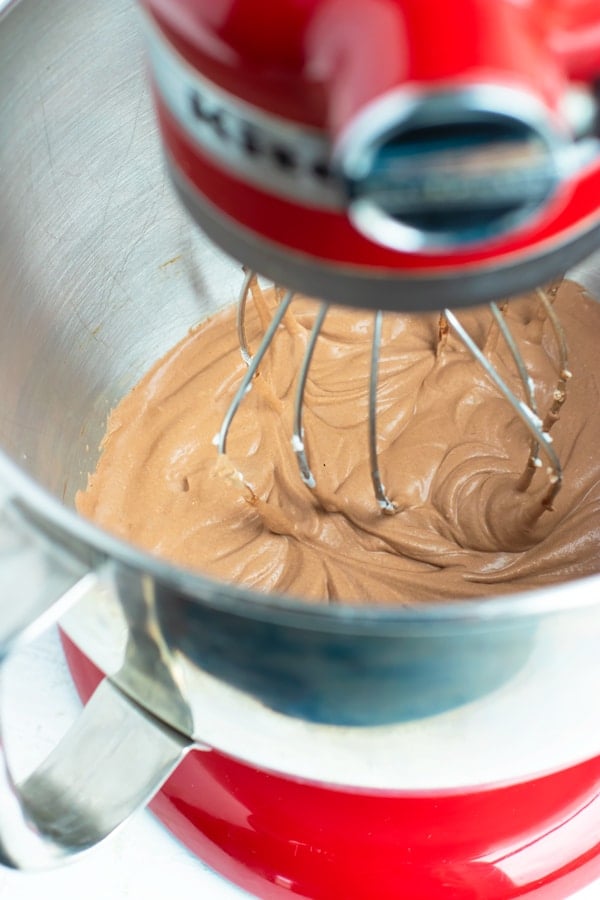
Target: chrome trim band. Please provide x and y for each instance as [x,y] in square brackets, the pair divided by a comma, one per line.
[397,290]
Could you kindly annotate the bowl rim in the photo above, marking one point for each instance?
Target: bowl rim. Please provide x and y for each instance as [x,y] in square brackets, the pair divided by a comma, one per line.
[567,596]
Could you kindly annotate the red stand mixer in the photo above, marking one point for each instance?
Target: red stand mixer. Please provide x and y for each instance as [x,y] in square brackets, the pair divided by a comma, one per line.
[401,155]
[279,837]
[396,154]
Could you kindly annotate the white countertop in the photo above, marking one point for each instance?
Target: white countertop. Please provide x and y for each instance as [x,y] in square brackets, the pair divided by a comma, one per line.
[142,861]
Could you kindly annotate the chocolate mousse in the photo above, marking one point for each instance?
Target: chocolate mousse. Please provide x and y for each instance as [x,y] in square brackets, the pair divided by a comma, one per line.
[452,453]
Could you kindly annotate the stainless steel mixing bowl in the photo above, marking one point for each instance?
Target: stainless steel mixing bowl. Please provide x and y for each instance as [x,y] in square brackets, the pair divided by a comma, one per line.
[100,273]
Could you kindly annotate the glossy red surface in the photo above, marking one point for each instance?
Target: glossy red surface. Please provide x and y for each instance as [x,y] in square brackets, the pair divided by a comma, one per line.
[323,62]
[281,54]
[278,838]
[363,50]
[330,236]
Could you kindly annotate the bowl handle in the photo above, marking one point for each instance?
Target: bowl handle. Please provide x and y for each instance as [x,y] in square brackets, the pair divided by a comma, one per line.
[115,756]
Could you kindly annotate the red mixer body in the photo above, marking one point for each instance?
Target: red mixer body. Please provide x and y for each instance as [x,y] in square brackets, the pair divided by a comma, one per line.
[278,837]
[301,78]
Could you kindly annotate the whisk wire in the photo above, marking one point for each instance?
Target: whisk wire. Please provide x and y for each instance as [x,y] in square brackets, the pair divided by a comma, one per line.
[560,391]
[298,445]
[385,504]
[251,371]
[533,462]
[241,317]
[526,409]
[531,420]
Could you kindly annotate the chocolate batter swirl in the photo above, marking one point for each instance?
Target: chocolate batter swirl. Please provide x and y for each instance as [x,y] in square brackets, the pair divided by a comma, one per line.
[452,452]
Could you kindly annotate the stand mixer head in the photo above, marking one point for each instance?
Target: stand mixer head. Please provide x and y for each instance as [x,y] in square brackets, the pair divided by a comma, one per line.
[385,153]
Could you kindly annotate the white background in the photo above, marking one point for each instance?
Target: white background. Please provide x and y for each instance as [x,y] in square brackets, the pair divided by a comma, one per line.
[142,861]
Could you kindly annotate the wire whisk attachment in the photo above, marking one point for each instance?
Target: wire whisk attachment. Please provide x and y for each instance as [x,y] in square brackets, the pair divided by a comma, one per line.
[526,407]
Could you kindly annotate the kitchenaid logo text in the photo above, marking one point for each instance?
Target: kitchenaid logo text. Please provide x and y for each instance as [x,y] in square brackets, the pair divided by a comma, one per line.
[279,156]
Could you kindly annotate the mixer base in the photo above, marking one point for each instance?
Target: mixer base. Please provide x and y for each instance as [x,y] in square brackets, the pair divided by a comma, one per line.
[276,837]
